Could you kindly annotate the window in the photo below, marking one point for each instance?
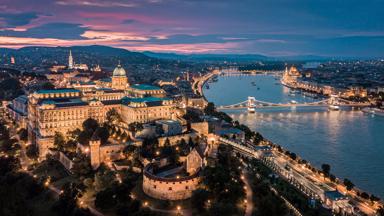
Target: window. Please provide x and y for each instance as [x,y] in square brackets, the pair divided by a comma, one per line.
[170,188]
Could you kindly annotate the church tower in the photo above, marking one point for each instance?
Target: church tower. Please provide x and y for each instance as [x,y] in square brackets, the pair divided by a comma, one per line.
[70,60]
[119,78]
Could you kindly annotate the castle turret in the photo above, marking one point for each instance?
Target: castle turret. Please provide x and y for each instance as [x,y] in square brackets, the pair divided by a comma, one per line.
[94,147]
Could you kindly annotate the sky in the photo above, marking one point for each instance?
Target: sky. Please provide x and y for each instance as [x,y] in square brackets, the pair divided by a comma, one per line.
[350,28]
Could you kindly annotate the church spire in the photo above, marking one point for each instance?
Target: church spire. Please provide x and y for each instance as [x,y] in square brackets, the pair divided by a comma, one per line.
[70,60]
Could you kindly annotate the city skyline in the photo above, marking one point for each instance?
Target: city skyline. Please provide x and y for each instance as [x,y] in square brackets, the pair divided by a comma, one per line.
[273,28]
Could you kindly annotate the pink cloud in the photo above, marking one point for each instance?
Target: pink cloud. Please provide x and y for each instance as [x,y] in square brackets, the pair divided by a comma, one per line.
[17,42]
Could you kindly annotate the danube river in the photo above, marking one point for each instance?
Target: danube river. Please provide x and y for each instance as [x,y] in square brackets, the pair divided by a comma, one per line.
[350,141]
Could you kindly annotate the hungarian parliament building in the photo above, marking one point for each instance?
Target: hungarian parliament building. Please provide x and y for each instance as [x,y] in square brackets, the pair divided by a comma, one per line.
[64,110]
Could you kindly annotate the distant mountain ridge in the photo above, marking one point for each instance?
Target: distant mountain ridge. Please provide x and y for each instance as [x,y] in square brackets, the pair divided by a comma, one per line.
[207,57]
[109,56]
[91,55]
[233,57]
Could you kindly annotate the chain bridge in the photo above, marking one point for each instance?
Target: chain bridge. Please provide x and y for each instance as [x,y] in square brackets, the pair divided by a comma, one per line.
[253,103]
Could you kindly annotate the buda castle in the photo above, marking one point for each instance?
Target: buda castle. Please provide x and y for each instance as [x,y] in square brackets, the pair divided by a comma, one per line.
[64,110]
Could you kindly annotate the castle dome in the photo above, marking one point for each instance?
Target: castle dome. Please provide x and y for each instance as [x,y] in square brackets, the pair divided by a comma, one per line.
[119,71]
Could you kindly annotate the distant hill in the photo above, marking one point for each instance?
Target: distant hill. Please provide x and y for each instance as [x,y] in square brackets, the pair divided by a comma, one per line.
[91,55]
[233,57]
[109,56]
[208,57]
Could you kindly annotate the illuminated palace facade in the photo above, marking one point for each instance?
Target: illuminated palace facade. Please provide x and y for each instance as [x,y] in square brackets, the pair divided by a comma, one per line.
[64,110]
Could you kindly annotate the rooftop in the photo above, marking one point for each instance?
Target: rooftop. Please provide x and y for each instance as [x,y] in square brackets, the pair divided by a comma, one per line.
[145,87]
[64,102]
[334,195]
[144,99]
[49,91]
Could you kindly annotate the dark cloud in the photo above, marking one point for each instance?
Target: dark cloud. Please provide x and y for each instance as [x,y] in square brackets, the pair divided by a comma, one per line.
[129,21]
[10,20]
[221,38]
[326,27]
[50,30]
[194,39]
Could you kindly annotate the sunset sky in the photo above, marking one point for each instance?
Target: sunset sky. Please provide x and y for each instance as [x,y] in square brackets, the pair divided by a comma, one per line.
[269,27]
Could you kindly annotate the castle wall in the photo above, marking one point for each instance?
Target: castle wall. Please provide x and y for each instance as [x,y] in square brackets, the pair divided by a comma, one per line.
[173,140]
[170,189]
[201,127]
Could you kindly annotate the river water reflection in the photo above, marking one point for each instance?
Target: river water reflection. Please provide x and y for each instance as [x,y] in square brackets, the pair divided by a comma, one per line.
[350,141]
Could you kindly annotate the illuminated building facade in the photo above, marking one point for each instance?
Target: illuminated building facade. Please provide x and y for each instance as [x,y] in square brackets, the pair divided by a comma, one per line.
[64,110]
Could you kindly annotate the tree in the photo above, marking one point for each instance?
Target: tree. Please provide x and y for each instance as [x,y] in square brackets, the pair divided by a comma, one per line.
[364,195]
[199,198]
[81,166]
[135,127]
[105,199]
[326,168]
[16,190]
[9,164]
[123,191]
[8,146]
[113,116]
[222,208]
[90,125]
[374,198]
[59,141]
[332,177]
[348,184]
[102,133]
[66,205]
[10,89]
[32,152]
[293,156]
[23,134]
[4,133]
[104,178]
[47,86]
[192,116]
[257,138]
[210,109]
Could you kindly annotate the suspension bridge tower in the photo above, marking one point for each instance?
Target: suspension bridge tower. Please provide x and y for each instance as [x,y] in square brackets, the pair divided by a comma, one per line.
[251,104]
[334,102]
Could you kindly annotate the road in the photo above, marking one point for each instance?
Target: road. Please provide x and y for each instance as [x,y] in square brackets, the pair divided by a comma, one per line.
[249,193]
[317,179]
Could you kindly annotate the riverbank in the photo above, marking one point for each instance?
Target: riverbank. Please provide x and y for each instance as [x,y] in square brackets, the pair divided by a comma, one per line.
[319,135]
[199,83]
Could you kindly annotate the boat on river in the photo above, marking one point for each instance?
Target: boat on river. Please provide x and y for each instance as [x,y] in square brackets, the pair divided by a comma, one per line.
[373,111]
[333,107]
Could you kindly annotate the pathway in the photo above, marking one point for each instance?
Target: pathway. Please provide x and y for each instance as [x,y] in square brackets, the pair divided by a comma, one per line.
[249,194]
